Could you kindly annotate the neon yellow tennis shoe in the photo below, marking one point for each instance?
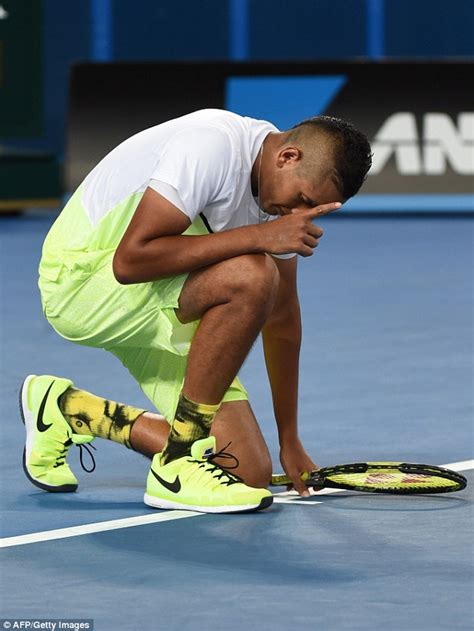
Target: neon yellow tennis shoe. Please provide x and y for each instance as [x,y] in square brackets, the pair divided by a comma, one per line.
[48,435]
[197,483]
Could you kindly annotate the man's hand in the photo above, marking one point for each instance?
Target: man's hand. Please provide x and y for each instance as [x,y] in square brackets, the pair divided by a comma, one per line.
[296,461]
[295,232]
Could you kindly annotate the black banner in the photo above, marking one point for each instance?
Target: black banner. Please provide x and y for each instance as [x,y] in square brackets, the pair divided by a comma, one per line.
[419,116]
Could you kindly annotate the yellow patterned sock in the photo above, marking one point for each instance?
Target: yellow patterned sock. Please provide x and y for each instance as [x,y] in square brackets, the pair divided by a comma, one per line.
[89,414]
[192,422]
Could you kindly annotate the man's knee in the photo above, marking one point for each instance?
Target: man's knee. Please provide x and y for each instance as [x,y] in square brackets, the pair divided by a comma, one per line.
[253,275]
[251,280]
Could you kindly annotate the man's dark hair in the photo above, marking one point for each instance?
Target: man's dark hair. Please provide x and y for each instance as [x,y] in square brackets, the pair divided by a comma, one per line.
[352,152]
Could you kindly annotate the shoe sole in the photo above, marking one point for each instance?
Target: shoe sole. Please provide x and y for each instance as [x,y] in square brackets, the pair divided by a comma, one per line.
[157,502]
[29,423]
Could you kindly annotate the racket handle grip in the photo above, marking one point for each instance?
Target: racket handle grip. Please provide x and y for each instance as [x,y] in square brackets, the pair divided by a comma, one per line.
[281,479]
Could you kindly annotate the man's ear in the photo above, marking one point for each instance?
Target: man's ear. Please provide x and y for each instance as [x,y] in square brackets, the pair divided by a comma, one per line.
[288,155]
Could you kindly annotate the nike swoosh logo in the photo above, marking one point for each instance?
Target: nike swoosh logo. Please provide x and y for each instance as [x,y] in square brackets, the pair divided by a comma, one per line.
[39,423]
[174,487]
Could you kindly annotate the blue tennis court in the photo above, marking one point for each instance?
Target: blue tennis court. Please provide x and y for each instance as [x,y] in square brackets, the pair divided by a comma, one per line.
[386,374]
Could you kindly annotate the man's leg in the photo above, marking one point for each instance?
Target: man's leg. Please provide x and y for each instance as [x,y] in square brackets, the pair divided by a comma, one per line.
[232,300]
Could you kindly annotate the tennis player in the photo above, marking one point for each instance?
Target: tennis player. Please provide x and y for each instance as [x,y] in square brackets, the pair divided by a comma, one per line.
[176,251]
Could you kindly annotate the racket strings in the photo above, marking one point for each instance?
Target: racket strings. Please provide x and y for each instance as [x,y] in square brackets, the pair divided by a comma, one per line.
[393,479]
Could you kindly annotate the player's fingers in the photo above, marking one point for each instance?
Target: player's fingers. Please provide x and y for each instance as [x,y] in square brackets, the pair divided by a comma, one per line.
[315,230]
[310,241]
[305,250]
[324,209]
[300,485]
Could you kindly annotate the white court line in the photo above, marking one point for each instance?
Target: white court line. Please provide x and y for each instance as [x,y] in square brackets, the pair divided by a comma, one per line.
[292,497]
[101,526]
[463,465]
[141,520]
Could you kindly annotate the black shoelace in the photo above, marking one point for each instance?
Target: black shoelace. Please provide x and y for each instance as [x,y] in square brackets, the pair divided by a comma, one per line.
[222,473]
[82,448]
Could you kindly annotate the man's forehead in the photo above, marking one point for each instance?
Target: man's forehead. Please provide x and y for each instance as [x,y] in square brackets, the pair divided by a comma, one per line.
[317,187]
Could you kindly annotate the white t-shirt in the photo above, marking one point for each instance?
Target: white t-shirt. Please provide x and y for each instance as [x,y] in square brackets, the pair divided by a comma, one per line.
[200,162]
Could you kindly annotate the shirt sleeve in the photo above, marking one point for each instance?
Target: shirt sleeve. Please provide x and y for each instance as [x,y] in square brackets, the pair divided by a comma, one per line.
[168,192]
[196,163]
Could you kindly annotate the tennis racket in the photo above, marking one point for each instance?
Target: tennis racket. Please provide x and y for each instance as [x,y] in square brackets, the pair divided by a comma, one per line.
[382,477]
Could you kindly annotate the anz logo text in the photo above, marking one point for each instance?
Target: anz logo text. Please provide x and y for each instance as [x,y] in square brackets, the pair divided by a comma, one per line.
[441,142]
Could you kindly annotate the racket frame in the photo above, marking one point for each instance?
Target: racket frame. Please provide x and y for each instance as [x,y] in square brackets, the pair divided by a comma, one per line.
[320,478]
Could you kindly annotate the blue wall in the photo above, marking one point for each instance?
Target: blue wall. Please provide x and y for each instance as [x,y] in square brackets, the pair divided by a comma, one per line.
[298,29]
[210,29]
[429,28]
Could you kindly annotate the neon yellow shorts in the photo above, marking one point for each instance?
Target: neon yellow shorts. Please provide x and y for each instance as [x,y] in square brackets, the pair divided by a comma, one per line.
[137,323]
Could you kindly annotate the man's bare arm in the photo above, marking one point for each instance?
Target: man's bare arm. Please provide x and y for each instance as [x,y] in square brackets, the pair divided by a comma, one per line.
[281,343]
[154,247]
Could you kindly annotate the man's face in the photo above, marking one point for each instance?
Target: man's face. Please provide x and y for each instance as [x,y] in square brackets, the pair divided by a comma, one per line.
[285,185]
